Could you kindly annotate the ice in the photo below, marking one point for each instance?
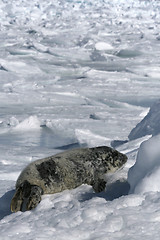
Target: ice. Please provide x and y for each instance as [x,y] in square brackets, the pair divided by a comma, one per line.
[81,73]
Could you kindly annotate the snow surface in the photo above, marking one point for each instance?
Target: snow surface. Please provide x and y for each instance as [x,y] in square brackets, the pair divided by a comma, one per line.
[149,125]
[144,176]
[80,73]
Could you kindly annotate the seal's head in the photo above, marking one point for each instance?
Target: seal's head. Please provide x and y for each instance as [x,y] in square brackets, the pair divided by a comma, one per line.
[110,159]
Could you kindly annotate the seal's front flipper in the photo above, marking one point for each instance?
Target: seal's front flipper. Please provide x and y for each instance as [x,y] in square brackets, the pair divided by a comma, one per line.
[34,197]
[99,185]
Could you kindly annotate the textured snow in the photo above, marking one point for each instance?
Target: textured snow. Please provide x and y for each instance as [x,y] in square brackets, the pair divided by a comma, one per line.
[81,73]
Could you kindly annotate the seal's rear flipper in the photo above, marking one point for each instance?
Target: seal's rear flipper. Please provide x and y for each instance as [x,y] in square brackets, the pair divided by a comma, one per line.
[17,201]
[34,197]
[27,197]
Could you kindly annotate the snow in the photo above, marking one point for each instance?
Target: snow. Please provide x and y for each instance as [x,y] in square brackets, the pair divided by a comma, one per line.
[103,46]
[149,124]
[81,73]
[87,137]
[144,175]
[28,124]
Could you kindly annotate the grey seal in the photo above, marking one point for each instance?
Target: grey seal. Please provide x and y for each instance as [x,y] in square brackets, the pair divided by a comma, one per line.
[66,170]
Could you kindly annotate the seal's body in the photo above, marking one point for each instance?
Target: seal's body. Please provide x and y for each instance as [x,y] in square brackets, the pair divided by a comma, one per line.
[65,170]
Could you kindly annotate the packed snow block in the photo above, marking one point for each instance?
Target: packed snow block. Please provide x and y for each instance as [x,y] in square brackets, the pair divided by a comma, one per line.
[144,176]
[28,124]
[149,125]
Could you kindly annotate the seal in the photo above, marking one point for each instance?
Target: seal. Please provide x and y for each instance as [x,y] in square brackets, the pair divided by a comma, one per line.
[66,170]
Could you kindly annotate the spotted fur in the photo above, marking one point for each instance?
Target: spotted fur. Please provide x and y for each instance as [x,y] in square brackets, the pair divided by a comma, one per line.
[65,170]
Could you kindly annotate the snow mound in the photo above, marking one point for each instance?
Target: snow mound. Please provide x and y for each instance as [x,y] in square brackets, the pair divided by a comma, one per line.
[103,46]
[149,125]
[144,176]
[28,124]
[85,136]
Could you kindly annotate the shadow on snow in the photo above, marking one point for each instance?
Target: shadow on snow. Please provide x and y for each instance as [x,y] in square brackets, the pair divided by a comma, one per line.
[5,202]
[113,191]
